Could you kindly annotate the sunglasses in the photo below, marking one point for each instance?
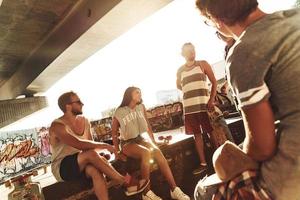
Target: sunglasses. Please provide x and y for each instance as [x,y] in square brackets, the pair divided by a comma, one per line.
[220,36]
[209,22]
[78,102]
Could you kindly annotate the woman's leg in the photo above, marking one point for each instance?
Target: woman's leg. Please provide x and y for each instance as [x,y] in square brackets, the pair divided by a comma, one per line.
[162,163]
[99,182]
[137,151]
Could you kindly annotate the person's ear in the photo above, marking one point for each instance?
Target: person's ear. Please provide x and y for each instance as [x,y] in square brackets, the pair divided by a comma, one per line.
[68,106]
[182,53]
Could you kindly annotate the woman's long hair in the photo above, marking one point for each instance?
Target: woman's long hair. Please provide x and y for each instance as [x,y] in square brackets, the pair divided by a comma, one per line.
[127,97]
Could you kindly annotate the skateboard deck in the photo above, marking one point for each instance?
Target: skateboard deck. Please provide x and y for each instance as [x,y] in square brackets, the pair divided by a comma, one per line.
[24,187]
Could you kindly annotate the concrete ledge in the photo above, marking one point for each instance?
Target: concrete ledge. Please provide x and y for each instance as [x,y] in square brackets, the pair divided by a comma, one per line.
[82,189]
[182,159]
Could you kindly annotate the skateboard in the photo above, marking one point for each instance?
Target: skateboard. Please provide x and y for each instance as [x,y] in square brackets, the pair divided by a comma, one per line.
[165,139]
[24,187]
[219,134]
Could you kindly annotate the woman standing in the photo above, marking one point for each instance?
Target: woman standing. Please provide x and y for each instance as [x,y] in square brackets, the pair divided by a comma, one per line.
[130,118]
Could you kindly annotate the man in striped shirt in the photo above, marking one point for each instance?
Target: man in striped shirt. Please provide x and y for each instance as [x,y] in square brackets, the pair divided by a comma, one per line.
[192,81]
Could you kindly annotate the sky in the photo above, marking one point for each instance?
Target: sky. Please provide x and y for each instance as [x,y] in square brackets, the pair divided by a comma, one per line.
[146,56]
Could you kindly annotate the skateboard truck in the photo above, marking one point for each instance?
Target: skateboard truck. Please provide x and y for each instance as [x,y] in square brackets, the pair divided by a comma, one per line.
[165,139]
[22,178]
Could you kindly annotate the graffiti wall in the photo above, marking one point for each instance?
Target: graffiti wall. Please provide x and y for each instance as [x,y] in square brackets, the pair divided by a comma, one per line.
[166,117]
[23,150]
[101,129]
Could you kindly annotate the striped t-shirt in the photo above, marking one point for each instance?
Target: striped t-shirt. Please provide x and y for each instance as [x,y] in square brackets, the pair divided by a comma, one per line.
[193,83]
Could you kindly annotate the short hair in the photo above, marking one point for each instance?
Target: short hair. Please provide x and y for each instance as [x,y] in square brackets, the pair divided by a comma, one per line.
[228,11]
[65,99]
[186,44]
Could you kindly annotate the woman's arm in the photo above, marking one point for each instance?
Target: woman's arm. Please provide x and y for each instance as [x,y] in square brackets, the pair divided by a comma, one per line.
[114,132]
[90,136]
[149,129]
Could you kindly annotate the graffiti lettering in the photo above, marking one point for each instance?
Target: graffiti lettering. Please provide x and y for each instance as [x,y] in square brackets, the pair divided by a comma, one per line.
[22,150]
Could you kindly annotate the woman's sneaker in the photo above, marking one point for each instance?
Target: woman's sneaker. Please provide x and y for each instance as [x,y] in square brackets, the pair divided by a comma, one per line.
[179,195]
[150,196]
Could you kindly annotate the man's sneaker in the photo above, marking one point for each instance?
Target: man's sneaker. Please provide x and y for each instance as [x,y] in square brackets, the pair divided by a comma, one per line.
[150,196]
[179,195]
[201,169]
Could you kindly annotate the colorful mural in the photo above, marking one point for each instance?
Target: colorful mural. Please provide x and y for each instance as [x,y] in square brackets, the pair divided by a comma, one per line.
[23,150]
[101,129]
[166,117]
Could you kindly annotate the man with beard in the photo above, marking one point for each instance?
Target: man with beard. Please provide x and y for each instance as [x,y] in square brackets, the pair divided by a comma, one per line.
[75,154]
[192,81]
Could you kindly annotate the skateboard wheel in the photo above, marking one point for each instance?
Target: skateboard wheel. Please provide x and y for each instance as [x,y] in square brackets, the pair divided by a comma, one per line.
[102,154]
[107,156]
[169,137]
[45,169]
[8,184]
[161,137]
[35,173]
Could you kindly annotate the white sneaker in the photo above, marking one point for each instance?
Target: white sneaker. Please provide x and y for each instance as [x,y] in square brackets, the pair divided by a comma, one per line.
[150,196]
[179,195]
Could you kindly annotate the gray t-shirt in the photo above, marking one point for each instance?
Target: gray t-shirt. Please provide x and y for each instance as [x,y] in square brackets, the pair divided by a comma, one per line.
[265,64]
[132,121]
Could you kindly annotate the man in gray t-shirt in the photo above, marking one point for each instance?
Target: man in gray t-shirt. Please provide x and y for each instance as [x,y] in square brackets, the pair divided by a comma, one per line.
[263,70]
[269,53]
